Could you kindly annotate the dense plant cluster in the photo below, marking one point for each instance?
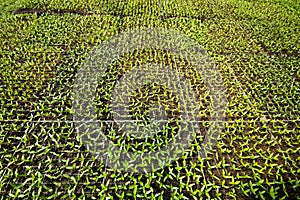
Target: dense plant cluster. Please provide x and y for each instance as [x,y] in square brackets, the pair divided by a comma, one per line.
[255,47]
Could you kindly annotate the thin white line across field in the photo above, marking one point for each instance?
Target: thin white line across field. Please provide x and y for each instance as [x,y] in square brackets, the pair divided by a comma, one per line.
[112,121]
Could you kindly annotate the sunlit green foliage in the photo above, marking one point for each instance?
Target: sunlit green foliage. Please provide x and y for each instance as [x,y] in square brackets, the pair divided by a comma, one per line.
[255,46]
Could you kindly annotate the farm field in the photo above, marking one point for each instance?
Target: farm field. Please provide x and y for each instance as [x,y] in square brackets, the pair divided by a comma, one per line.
[254,46]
